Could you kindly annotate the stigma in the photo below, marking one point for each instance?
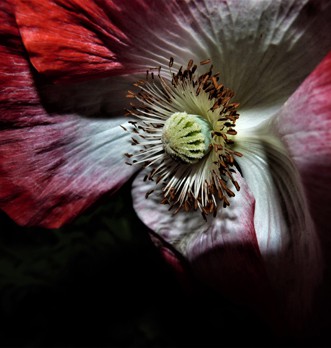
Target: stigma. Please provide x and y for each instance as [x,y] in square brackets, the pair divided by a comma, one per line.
[186,138]
[183,135]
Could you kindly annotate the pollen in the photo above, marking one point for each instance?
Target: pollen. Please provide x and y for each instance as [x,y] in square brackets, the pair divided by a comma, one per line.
[183,133]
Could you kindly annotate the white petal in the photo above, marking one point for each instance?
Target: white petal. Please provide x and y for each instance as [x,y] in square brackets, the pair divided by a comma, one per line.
[263,49]
[286,234]
[223,251]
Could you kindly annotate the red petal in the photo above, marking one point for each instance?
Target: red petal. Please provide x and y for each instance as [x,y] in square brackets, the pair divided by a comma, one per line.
[52,166]
[260,58]
[72,39]
[304,124]
[69,37]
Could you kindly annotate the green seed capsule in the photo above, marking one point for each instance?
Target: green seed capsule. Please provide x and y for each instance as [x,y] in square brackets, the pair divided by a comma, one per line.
[186,137]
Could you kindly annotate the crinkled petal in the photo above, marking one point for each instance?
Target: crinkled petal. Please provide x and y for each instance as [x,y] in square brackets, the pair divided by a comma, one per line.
[263,49]
[286,235]
[223,252]
[71,39]
[52,165]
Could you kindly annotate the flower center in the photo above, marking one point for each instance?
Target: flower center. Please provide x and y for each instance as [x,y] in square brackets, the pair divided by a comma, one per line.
[183,134]
[186,138]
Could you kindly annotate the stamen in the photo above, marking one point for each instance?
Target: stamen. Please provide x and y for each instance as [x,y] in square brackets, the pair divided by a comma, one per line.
[185,123]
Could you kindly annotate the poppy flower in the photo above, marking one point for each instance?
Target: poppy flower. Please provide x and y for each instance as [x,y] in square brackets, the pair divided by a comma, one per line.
[221,108]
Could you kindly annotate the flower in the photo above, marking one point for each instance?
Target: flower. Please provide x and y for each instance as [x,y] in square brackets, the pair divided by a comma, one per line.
[66,67]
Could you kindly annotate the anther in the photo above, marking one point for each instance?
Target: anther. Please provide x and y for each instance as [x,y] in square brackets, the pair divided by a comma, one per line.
[189,153]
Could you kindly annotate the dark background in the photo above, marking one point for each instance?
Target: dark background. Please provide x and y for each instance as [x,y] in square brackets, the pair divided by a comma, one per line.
[100,282]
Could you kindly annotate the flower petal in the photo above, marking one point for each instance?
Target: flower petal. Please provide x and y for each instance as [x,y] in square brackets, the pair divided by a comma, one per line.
[69,39]
[304,124]
[263,49]
[62,38]
[286,235]
[52,165]
[270,248]
[49,174]
[224,251]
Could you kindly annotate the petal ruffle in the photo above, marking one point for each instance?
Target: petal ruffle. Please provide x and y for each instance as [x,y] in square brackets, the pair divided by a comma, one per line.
[52,165]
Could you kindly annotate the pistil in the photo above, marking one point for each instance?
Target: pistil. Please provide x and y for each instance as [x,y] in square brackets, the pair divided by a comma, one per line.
[186,138]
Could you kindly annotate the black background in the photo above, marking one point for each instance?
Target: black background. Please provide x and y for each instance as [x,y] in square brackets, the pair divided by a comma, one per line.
[100,282]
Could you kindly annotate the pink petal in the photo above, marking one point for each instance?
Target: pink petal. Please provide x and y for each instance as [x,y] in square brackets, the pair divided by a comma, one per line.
[49,174]
[223,252]
[52,165]
[304,123]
